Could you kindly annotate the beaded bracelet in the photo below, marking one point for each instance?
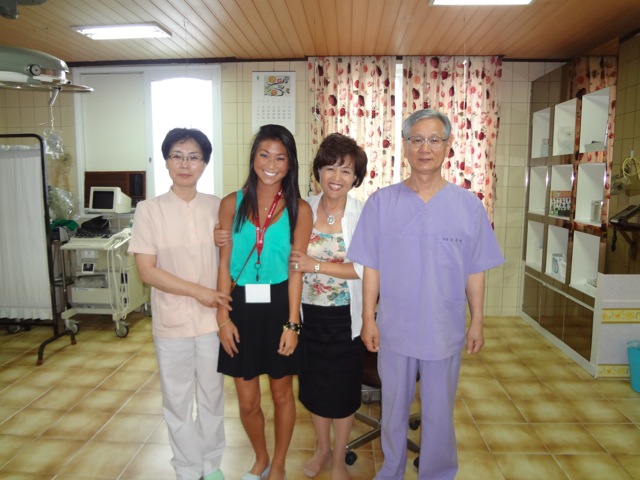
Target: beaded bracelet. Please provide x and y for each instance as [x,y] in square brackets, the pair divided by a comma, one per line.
[295,327]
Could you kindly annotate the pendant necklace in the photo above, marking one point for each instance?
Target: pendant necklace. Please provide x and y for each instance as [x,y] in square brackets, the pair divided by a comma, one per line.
[331,218]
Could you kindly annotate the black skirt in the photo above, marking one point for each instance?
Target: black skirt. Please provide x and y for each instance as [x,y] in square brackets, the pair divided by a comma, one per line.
[260,329]
[330,380]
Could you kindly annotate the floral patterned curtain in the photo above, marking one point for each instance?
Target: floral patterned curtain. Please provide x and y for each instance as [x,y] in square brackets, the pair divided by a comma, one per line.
[467,90]
[354,96]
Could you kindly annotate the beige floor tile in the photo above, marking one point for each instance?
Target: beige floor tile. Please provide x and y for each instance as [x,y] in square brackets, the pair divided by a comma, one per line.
[590,410]
[161,434]
[10,445]
[511,439]
[47,376]
[494,411]
[152,462]
[586,467]
[545,411]
[552,370]
[102,400]
[61,398]
[77,425]
[20,395]
[30,422]
[146,363]
[572,389]
[6,412]
[631,463]
[567,438]
[614,388]
[515,370]
[504,355]
[90,378]
[27,476]
[129,427]
[469,439]
[126,380]
[475,370]
[527,389]
[476,466]
[617,439]
[630,407]
[109,360]
[144,401]
[529,467]
[14,373]
[101,460]
[481,388]
[51,455]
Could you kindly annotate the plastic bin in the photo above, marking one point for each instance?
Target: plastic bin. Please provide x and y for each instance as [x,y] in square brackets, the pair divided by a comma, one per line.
[633,349]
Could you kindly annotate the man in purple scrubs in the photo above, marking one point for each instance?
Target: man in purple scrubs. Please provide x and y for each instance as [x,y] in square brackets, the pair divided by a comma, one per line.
[425,244]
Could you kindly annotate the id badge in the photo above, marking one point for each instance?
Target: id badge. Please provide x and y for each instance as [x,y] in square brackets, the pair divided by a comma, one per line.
[257,293]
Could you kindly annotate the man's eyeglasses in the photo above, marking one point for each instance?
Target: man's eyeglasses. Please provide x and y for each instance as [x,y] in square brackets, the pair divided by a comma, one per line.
[434,142]
[192,159]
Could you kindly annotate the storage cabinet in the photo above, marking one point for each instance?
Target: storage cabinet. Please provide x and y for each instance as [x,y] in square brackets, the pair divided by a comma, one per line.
[567,212]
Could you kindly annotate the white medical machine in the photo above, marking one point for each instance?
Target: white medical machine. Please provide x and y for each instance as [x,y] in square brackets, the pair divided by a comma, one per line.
[105,280]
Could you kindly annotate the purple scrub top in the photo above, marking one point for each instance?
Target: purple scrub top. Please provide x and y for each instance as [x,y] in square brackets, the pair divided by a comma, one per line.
[424,253]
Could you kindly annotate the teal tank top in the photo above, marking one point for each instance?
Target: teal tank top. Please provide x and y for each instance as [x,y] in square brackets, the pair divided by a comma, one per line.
[275,251]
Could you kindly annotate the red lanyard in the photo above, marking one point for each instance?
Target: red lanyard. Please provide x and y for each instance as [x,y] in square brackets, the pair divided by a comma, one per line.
[261,231]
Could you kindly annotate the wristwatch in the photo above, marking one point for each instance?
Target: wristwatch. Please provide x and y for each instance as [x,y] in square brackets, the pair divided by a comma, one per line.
[316,268]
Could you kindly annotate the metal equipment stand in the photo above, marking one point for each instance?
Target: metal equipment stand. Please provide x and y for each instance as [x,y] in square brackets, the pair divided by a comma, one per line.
[12,323]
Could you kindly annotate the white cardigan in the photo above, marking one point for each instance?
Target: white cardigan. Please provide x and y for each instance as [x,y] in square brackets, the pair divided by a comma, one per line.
[349,220]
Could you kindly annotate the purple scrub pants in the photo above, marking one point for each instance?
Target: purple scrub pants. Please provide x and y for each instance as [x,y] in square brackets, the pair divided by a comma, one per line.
[438,385]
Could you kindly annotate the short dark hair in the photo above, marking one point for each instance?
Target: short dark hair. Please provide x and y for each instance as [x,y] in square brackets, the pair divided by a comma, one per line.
[179,135]
[334,150]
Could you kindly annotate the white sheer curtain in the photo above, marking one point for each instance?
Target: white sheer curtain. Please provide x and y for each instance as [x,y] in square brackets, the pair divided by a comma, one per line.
[25,291]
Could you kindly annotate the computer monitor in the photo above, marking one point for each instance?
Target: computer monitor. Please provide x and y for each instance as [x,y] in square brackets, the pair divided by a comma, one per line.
[108,200]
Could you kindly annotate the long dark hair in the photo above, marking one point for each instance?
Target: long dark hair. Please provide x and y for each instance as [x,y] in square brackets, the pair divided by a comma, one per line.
[290,187]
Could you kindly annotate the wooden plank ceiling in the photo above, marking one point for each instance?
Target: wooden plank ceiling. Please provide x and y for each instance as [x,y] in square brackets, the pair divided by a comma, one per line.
[295,29]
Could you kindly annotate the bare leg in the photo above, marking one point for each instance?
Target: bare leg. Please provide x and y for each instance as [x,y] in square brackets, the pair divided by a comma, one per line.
[315,464]
[341,431]
[284,420]
[253,422]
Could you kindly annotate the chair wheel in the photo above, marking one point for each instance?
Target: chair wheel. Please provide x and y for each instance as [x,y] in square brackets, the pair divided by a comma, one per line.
[350,458]
[414,424]
[416,462]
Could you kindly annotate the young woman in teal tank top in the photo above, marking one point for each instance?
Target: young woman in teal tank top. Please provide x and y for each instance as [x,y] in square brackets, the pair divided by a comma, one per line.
[260,335]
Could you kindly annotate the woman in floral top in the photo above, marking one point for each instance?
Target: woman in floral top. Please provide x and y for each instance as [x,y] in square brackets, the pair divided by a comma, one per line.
[331,375]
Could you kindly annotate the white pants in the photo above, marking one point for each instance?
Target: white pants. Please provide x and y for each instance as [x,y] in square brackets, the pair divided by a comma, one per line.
[188,366]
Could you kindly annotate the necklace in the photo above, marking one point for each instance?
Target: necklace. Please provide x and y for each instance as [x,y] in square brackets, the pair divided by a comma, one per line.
[331,217]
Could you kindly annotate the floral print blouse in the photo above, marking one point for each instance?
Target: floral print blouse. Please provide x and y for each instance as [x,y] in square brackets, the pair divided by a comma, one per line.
[318,288]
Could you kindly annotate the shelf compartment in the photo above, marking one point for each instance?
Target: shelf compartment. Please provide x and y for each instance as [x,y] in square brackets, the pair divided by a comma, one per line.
[564,127]
[594,121]
[561,187]
[584,262]
[590,189]
[538,181]
[535,245]
[541,126]
[557,241]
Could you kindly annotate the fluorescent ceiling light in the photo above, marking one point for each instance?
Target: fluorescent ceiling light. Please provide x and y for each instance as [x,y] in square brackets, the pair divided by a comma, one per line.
[121,32]
[461,3]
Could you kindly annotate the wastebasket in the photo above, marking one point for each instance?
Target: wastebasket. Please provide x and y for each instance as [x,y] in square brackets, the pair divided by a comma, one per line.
[633,349]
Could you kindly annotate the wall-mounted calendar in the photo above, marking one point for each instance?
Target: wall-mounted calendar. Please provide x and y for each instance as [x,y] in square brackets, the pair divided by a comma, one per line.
[274,99]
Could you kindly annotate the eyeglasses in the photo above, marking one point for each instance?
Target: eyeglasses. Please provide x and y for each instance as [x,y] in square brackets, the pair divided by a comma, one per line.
[192,159]
[434,142]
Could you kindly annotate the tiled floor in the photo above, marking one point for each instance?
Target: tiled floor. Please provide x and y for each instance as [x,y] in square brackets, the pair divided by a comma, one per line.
[92,411]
